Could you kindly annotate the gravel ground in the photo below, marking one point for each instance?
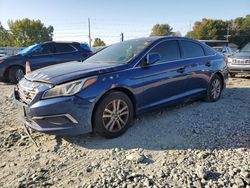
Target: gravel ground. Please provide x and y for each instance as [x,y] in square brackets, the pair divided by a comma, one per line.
[195,144]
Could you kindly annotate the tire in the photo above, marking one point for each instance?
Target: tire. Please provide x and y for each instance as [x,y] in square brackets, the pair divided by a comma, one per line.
[232,75]
[109,122]
[15,74]
[214,89]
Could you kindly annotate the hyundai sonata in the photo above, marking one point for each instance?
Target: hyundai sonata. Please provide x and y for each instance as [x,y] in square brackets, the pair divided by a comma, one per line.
[104,93]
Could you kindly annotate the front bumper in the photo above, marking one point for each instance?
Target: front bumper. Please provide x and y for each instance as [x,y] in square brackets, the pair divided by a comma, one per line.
[2,71]
[237,68]
[59,116]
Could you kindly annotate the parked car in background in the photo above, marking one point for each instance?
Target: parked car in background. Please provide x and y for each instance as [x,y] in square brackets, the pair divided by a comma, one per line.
[240,62]
[107,90]
[225,50]
[3,53]
[12,68]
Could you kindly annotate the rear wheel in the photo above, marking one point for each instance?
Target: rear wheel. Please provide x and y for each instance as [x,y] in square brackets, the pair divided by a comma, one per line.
[15,74]
[214,89]
[113,115]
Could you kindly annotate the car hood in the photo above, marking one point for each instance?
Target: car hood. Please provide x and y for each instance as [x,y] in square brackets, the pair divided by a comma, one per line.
[242,55]
[11,58]
[65,72]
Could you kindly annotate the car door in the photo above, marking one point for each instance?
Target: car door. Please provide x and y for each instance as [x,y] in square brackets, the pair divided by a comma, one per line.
[163,81]
[66,52]
[197,66]
[42,57]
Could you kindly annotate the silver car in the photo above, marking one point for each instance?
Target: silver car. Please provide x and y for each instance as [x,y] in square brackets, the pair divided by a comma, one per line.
[225,50]
[240,62]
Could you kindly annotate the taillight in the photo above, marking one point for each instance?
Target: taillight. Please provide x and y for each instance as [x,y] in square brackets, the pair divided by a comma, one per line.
[27,67]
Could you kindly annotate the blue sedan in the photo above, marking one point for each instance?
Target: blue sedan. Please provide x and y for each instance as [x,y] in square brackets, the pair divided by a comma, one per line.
[105,92]
[12,68]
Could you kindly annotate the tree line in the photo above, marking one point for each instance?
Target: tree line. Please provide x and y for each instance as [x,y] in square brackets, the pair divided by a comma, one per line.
[236,31]
[26,32]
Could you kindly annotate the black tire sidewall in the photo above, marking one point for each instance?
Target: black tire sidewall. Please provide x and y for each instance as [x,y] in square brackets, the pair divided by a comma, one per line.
[209,96]
[98,126]
[12,74]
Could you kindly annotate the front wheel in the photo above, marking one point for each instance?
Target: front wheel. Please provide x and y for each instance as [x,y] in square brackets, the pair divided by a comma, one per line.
[113,115]
[214,89]
[15,74]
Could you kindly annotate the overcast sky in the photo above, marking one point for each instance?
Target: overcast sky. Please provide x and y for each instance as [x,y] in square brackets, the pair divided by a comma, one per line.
[109,18]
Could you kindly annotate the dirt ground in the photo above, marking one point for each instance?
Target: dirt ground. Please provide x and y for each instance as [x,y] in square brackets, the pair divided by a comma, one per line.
[197,144]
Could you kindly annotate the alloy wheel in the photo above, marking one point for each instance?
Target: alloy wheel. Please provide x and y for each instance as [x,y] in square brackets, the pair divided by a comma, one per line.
[115,115]
[216,88]
[19,74]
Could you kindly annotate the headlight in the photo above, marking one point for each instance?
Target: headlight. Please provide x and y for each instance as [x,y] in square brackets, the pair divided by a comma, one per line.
[230,60]
[68,89]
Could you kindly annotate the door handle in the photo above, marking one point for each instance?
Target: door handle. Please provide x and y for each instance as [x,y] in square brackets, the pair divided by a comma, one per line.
[181,70]
[208,64]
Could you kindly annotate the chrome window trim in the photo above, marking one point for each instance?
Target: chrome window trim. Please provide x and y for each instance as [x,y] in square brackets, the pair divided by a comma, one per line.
[178,40]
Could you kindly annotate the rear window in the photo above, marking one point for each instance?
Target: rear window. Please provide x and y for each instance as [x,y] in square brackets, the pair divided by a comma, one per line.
[60,48]
[191,49]
[168,51]
[209,51]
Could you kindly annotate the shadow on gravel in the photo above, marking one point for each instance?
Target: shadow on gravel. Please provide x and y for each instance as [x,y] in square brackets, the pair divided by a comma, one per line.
[192,125]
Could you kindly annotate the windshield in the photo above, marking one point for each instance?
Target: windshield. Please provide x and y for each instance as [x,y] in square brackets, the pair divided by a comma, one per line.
[246,48]
[119,53]
[29,49]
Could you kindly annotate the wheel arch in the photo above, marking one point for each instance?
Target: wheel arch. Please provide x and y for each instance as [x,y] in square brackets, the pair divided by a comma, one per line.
[221,76]
[6,73]
[124,90]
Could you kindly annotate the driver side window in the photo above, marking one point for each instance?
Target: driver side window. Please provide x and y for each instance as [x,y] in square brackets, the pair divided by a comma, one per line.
[168,51]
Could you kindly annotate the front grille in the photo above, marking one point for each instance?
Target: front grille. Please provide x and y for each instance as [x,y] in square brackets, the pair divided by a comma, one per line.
[27,90]
[241,61]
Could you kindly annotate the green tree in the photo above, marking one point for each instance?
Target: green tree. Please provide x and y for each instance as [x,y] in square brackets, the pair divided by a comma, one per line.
[6,38]
[240,31]
[161,30]
[209,29]
[98,42]
[26,32]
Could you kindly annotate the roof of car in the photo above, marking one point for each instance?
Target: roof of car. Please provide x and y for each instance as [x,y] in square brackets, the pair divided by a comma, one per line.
[213,40]
[69,42]
[156,38]
[220,47]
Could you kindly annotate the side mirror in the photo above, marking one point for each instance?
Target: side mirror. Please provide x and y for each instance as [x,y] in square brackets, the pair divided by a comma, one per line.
[153,58]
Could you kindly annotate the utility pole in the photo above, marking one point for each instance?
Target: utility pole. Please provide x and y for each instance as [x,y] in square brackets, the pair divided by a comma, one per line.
[121,37]
[227,32]
[89,33]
